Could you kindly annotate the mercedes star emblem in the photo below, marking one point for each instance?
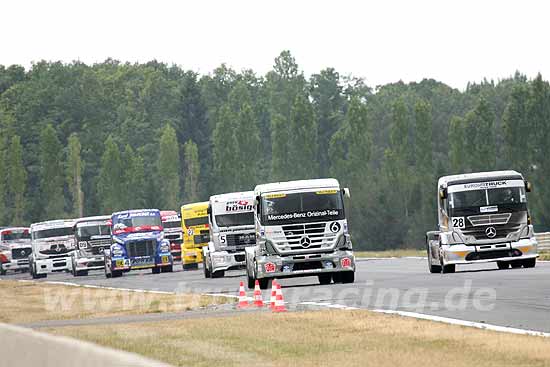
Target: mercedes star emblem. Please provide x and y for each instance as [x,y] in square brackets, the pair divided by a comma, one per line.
[491,232]
[305,242]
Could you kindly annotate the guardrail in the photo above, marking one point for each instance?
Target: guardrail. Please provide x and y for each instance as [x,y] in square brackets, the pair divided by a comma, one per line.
[543,240]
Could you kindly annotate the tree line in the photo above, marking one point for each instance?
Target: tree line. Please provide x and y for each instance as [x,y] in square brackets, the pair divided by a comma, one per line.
[79,139]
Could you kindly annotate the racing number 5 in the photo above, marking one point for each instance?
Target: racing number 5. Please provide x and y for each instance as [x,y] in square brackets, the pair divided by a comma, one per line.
[458,222]
[222,239]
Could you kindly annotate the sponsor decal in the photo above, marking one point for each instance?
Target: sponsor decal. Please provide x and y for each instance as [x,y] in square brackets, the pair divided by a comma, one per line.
[238,206]
[275,196]
[310,214]
[171,218]
[346,262]
[486,185]
[488,209]
[326,192]
[269,267]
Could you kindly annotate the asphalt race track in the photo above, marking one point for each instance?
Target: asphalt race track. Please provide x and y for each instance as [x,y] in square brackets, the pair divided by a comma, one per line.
[517,298]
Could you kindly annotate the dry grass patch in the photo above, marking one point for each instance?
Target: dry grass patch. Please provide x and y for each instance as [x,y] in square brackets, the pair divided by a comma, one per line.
[23,302]
[324,338]
[391,253]
[544,255]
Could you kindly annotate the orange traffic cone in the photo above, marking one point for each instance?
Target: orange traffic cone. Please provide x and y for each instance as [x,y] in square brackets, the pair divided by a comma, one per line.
[258,302]
[243,301]
[279,301]
[273,294]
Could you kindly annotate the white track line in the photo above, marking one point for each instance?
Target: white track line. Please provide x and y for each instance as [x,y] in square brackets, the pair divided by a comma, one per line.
[477,325]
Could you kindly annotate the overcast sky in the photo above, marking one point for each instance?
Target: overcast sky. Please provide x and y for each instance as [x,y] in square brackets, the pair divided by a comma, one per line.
[383,40]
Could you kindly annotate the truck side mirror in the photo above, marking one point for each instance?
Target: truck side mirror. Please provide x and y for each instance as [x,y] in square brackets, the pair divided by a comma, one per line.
[209,210]
[346,192]
[528,186]
[257,200]
[443,194]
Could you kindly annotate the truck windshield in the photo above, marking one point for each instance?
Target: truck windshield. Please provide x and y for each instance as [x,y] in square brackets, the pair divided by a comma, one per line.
[52,232]
[302,207]
[239,219]
[507,197]
[89,231]
[140,221]
[172,224]
[15,235]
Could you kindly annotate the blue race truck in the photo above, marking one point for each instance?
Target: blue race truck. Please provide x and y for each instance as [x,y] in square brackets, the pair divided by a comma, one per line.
[137,243]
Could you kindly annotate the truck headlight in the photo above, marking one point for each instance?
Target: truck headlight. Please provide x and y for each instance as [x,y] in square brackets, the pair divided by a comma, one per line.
[117,250]
[344,242]
[165,246]
[160,236]
[526,232]
[82,244]
[270,248]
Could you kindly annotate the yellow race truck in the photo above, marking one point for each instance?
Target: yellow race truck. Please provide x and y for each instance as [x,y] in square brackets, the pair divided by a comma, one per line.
[196,233]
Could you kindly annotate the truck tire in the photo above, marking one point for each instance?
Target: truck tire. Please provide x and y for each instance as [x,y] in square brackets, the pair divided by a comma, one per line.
[251,282]
[193,266]
[530,263]
[218,274]
[502,265]
[264,283]
[207,273]
[434,269]
[168,269]
[348,277]
[324,279]
[516,264]
[337,277]
[116,273]
[81,273]
[2,270]
[155,270]
[449,269]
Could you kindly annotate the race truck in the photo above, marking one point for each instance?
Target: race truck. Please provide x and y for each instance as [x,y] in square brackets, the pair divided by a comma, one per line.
[302,231]
[92,236]
[52,246]
[482,217]
[196,233]
[171,223]
[138,242]
[15,249]
[231,220]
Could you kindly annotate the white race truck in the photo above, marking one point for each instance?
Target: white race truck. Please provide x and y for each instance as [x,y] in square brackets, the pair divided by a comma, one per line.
[52,245]
[302,230]
[15,249]
[92,236]
[483,217]
[231,221]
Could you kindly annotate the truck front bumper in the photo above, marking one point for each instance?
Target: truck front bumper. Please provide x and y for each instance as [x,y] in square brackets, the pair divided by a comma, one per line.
[45,266]
[507,251]
[191,255]
[223,260]
[89,263]
[127,264]
[14,265]
[275,266]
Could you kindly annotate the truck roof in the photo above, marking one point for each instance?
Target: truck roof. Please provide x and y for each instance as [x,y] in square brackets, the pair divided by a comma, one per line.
[232,196]
[4,229]
[97,218]
[298,185]
[190,206]
[134,211]
[58,223]
[479,177]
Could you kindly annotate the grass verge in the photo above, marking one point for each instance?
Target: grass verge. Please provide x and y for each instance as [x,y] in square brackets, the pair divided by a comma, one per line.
[22,302]
[322,338]
[391,253]
[544,255]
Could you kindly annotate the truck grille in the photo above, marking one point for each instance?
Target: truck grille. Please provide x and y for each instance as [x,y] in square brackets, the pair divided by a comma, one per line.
[172,236]
[141,248]
[20,253]
[56,249]
[305,237]
[502,232]
[489,219]
[102,243]
[241,240]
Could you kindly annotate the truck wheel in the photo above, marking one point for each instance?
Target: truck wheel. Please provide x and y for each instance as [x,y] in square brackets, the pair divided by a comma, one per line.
[2,270]
[434,269]
[192,266]
[502,265]
[324,279]
[81,273]
[218,274]
[516,264]
[155,270]
[530,263]
[251,282]
[207,273]
[167,269]
[264,283]
[448,269]
[348,277]
[116,273]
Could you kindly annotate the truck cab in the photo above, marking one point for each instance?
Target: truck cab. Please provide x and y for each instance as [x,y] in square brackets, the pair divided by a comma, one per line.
[302,230]
[482,217]
[196,233]
[138,242]
[52,246]
[92,236]
[15,249]
[171,222]
[231,219]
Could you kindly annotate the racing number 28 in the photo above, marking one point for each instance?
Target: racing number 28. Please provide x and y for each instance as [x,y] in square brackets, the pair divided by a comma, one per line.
[458,222]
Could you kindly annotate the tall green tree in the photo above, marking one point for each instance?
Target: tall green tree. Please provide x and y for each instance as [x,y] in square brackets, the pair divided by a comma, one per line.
[302,147]
[168,168]
[517,129]
[481,136]
[3,182]
[248,146]
[73,175]
[51,174]
[458,155]
[191,172]
[133,179]
[17,180]
[110,185]
[226,151]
